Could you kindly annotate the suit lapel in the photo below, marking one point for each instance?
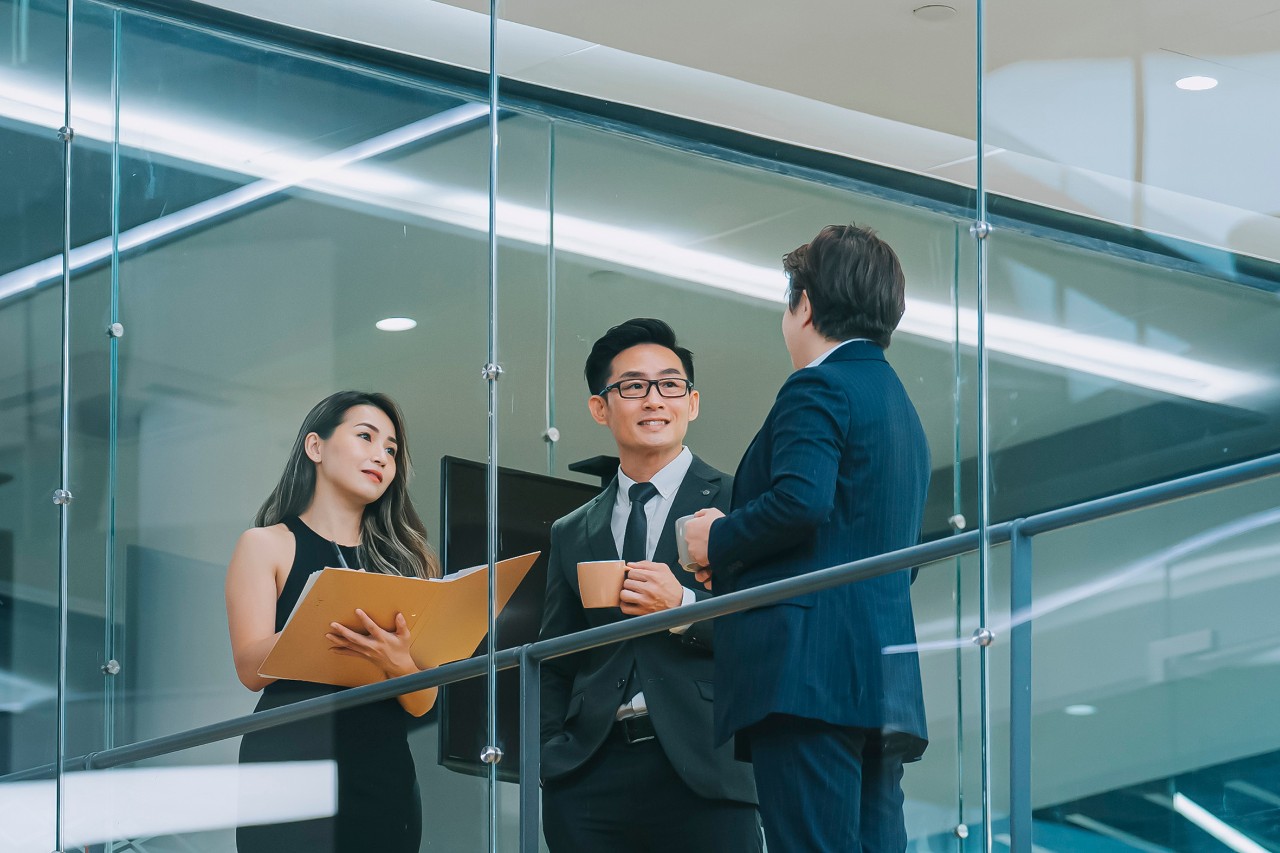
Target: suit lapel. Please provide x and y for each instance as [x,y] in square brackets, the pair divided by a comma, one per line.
[600,542]
[698,491]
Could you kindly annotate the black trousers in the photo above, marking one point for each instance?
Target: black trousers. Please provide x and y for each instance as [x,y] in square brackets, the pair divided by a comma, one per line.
[627,798]
[827,789]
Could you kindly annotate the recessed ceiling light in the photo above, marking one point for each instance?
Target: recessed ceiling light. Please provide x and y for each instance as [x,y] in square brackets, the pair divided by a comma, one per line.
[1080,710]
[1196,84]
[934,12]
[396,324]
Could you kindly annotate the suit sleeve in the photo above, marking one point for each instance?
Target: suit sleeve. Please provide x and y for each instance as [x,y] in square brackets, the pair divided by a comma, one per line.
[561,614]
[699,635]
[809,423]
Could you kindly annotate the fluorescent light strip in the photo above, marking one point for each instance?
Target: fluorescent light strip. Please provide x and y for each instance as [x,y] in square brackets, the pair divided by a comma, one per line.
[1215,826]
[1007,840]
[1044,343]
[1105,829]
[629,248]
[1254,791]
[1104,357]
[298,173]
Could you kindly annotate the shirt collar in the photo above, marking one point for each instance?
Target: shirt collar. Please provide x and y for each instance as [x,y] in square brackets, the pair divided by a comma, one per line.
[667,481]
[824,356]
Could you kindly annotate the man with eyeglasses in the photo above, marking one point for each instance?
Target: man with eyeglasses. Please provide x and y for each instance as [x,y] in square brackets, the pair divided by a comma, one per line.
[628,762]
[823,690]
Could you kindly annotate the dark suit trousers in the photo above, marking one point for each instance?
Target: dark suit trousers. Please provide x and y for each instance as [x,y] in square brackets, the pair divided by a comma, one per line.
[825,788]
[627,798]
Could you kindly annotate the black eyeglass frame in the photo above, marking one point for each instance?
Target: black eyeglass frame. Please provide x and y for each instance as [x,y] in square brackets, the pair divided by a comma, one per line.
[649,386]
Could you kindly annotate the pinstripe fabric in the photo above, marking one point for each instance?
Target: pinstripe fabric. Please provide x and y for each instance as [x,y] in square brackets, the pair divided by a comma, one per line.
[852,791]
[837,472]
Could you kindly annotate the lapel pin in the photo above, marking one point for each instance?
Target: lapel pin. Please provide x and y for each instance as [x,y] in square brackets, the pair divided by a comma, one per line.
[706,491]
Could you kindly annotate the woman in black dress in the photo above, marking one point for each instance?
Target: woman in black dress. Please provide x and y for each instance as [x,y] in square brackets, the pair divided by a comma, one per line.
[342,500]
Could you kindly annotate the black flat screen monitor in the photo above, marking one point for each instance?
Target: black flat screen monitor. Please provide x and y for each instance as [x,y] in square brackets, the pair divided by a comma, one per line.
[528,504]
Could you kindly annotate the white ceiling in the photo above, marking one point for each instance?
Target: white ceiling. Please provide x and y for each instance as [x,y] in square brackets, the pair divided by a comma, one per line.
[1081,110]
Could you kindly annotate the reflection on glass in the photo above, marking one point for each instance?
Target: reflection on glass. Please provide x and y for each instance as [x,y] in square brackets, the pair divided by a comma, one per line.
[31,337]
[1151,657]
[1154,124]
[713,270]
[1134,382]
[263,229]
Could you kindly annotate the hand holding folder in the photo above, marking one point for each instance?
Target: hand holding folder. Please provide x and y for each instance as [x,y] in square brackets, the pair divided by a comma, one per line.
[447,618]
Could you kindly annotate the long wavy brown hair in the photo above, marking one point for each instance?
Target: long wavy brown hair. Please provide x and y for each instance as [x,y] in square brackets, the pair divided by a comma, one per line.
[393,539]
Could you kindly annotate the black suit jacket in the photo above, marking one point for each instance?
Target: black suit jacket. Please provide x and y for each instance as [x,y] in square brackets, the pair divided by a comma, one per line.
[581,693]
[838,472]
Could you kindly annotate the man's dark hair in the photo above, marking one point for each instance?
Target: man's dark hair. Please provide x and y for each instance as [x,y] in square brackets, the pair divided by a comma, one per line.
[854,281]
[641,330]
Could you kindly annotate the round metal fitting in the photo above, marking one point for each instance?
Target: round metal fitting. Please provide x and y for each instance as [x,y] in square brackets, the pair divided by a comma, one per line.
[490,755]
[961,831]
[62,497]
[551,435]
[66,134]
[111,667]
[980,230]
[957,522]
[491,372]
[984,637]
[115,330]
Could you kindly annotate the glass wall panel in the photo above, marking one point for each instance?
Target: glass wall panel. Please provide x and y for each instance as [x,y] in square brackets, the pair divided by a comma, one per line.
[268,208]
[1138,373]
[1130,334]
[529,502]
[32,63]
[944,791]
[1156,123]
[92,349]
[1154,649]
[644,229]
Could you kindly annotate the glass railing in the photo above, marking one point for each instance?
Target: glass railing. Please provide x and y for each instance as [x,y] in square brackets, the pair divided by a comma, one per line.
[1166,614]
[245,198]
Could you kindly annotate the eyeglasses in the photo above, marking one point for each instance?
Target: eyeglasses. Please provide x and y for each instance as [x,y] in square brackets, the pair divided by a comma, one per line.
[638,389]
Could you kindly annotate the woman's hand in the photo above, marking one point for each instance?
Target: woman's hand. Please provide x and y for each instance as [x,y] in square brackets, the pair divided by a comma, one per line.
[387,650]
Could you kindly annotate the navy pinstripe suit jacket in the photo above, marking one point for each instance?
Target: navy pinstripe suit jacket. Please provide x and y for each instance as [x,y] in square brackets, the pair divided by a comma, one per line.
[838,472]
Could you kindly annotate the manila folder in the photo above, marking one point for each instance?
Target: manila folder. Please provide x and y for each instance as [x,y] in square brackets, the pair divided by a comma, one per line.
[447,618]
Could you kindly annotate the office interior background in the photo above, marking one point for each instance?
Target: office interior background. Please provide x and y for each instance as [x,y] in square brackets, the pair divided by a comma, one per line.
[253,186]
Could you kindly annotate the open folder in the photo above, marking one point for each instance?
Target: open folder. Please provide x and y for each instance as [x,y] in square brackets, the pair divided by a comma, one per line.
[447,617]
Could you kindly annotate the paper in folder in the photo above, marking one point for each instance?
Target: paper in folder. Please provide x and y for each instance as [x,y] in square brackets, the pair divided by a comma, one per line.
[447,617]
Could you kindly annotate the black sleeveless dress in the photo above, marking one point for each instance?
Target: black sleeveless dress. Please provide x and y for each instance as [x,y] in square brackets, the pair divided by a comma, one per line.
[378,805]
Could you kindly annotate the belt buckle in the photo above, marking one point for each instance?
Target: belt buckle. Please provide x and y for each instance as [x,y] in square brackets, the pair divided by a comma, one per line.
[637,729]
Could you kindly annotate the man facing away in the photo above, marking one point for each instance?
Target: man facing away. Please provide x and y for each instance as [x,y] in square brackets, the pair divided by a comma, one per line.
[628,761]
[837,473]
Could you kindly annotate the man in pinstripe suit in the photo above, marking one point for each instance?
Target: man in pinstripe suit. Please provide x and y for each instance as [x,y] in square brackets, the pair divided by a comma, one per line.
[838,472]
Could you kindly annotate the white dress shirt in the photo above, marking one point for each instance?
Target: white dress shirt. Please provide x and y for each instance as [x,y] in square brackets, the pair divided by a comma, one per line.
[824,356]
[667,481]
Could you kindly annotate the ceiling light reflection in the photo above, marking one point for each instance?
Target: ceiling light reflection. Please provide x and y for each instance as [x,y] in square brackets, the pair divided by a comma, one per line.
[634,249]
[1210,823]
[297,173]
[1044,343]
[396,324]
[1196,83]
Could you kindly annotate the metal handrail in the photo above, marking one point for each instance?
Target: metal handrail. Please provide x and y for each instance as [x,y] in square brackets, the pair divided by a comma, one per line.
[653,623]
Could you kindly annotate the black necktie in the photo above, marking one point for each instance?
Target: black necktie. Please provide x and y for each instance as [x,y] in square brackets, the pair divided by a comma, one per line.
[635,540]
[635,543]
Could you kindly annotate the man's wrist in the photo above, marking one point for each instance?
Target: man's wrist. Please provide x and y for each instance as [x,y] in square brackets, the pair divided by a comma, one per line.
[686,597]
